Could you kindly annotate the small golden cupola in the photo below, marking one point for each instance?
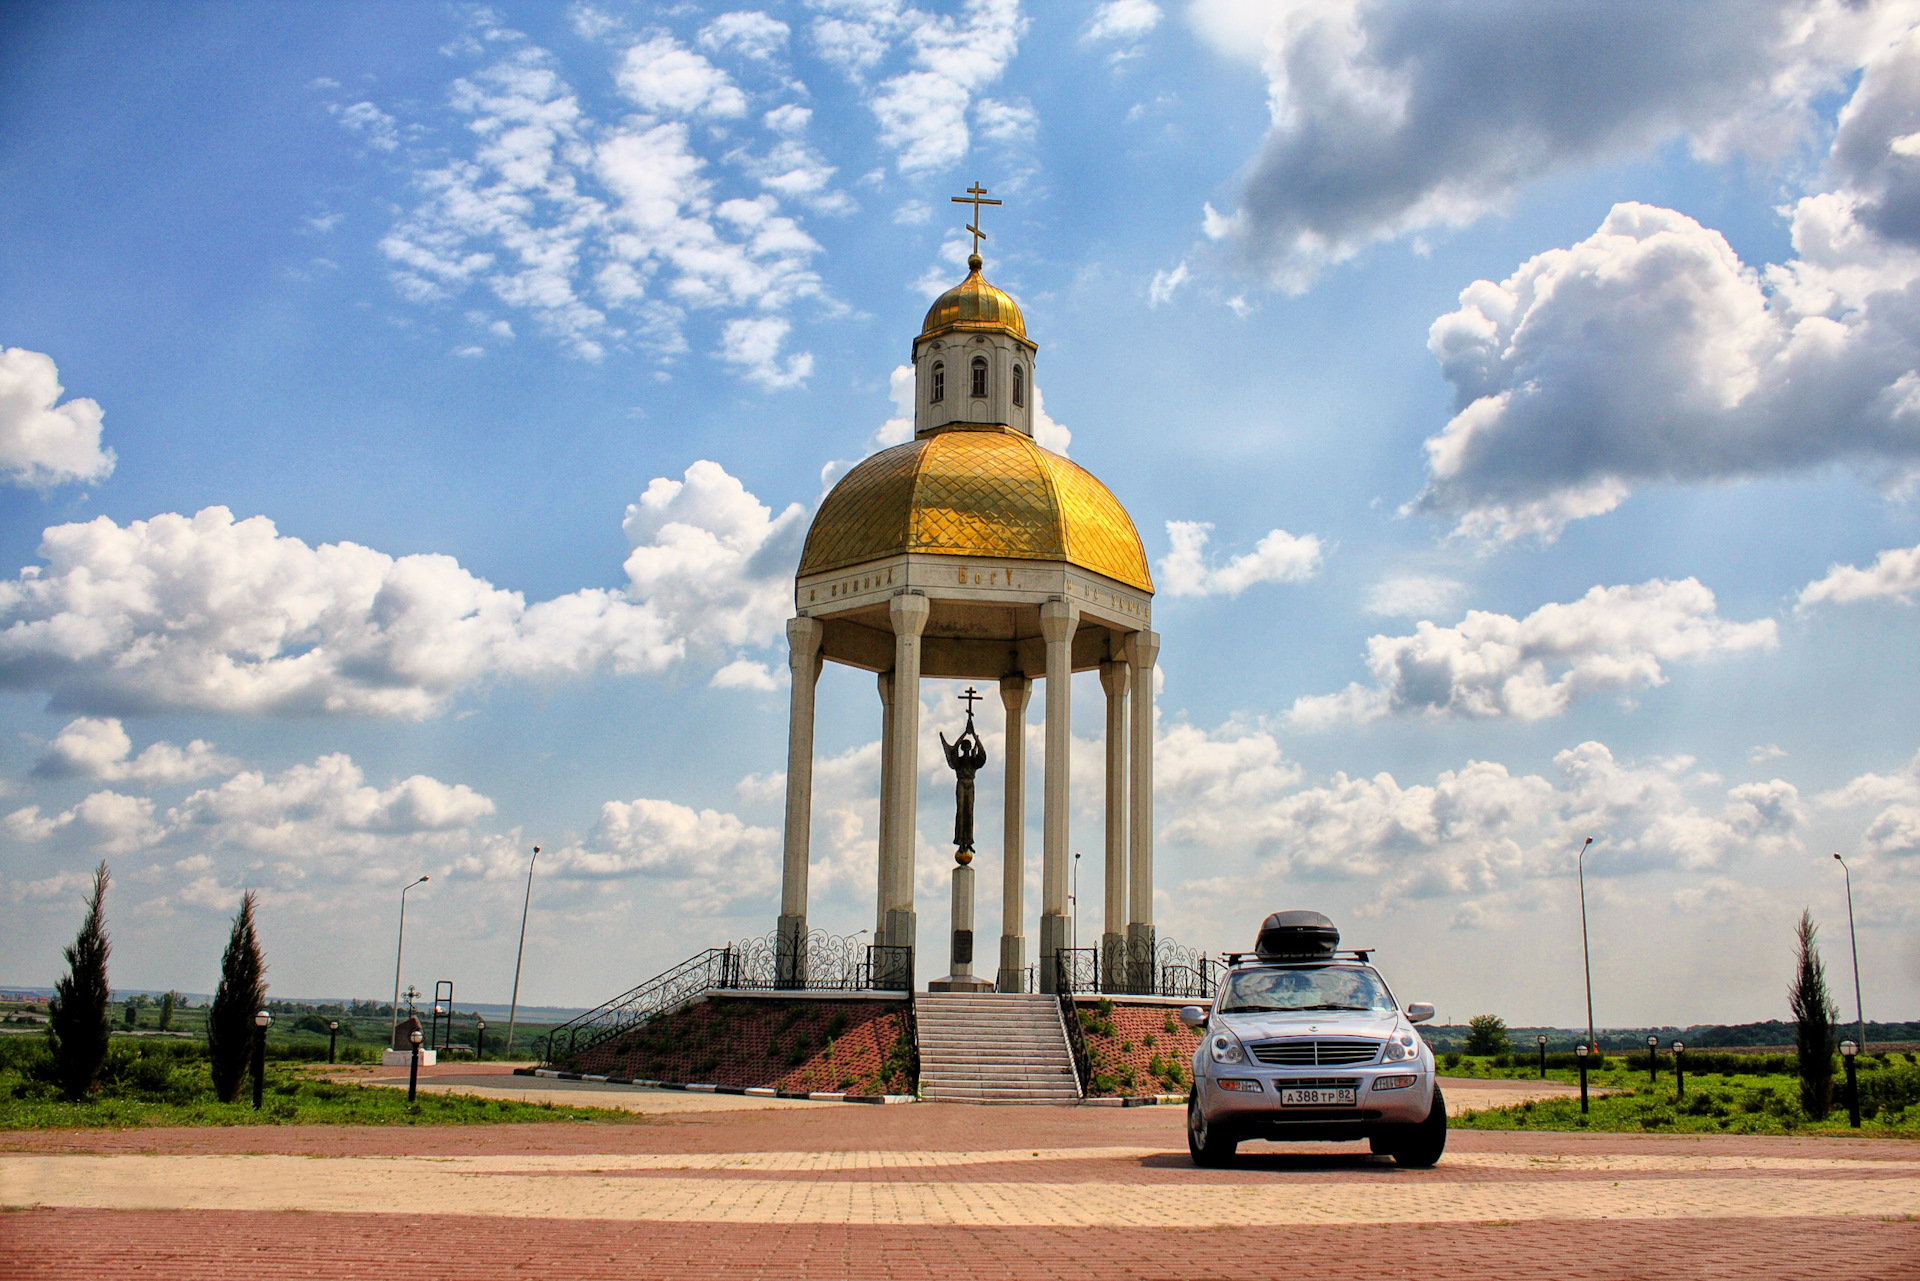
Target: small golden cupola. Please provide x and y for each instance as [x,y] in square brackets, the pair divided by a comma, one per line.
[973,361]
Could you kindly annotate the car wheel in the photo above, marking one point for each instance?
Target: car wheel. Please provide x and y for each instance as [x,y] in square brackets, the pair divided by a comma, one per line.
[1209,1144]
[1420,1147]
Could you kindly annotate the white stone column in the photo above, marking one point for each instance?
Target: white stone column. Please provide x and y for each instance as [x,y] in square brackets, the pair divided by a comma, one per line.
[1143,650]
[1058,619]
[1114,680]
[883,893]
[1012,977]
[803,657]
[908,613]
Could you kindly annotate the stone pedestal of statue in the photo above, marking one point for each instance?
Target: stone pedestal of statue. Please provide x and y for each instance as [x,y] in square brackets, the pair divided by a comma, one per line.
[962,978]
[400,1052]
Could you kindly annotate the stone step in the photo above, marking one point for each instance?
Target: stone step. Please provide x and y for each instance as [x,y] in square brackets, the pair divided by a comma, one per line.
[993,1048]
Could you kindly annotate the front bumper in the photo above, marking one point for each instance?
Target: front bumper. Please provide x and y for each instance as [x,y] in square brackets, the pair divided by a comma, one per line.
[1261,1110]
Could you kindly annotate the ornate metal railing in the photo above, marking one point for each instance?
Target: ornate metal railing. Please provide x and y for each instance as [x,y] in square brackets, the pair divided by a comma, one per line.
[1066,972]
[828,962]
[1133,967]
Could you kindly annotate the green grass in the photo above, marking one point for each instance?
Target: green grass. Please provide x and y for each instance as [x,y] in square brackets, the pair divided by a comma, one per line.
[165,1083]
[1714,1104]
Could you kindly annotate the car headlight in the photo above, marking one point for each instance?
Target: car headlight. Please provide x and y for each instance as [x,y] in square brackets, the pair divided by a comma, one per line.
[1396,1051]
[1226,1049]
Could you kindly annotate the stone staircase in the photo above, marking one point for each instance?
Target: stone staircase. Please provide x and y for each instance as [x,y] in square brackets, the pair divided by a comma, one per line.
[993,1047]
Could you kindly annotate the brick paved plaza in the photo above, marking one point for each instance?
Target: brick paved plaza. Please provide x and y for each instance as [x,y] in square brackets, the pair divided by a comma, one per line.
[729,1187]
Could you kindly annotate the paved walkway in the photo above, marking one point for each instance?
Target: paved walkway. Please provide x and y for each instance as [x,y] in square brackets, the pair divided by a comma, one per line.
[837,1190]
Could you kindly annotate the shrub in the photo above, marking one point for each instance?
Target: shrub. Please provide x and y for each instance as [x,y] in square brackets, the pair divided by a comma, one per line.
[166,1011]
[78,1026]
[1486,1034]
[242,991]
[1813,1016]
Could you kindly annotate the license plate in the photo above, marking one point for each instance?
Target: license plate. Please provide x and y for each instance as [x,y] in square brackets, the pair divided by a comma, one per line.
[1321,1098]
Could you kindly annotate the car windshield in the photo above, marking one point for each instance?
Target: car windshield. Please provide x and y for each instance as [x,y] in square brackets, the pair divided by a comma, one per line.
[1332,987]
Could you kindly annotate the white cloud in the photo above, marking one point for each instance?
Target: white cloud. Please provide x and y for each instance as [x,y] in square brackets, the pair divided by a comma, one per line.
[608,234]
[1164,283]
[662,75]
[1279,557]
[207,613]
[97,747]
[897,430]
[1410,595]
[1047,432]
[108,822]
[1613,639]
[1389,117]
[1761,753]
[1010,124]
[744,673]
[42,442]
[753,347]
[1894,573]
[1650,353]
[923,112]
[747,32]
[1122,20]
[1895,831]
[370,124]
[1480,832]
[705,861]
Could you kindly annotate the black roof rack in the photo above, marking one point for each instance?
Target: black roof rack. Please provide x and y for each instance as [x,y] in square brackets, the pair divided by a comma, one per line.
[1360,954]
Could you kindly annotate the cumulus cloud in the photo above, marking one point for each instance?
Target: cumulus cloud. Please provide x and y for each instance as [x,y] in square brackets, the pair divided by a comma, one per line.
[1411,595]
[1477,831]
[897,430]
[923,112]
[43,442]
[1894,831]
[1279,557]
[1122,21]
[1894,573]
[746,32]
[109,822]
[611,234]
[1388,117]
[1049,433]
[100,748]
[1164,283]
[1649,352]
[753,347]
[209,613]
[1613,639]
[662,75]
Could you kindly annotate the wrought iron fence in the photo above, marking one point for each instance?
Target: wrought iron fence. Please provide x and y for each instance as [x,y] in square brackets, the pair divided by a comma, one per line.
[826,962]
[1135,968]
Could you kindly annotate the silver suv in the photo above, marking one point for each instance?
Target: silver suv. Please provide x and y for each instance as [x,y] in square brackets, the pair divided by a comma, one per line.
[1306,1042]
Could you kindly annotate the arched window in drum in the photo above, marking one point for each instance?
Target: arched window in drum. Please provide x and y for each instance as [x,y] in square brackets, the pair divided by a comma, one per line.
[1019,386]
[979,375]
[939,392]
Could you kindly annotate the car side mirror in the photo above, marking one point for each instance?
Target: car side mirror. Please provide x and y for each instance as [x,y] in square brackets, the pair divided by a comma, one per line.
[1194,1016]
[1419,1012]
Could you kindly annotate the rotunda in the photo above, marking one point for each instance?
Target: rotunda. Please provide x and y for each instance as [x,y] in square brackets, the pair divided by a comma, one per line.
[973,552]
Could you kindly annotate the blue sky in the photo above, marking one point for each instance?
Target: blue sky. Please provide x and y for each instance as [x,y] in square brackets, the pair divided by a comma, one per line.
[409,416]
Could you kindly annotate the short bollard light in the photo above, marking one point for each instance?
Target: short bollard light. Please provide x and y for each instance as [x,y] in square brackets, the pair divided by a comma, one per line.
[1580,1053]
[480,1038]
[1848,1052]
[1653,1059]
[260,1021]
[1543,1055]
[413,1065]
[1679,1070]
[333,1037]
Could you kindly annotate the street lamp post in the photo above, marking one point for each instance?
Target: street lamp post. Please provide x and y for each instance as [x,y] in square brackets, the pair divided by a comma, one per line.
[1859,1014]
[1580,1052]
[399,950]
[1848,1052]
[260,1021]
[1073,901]
[480,1038]
[1679,1070]
[513,1011]
[1653,1059]
[1542,1038]
[413,1065]
[333,1037]
[1586,955]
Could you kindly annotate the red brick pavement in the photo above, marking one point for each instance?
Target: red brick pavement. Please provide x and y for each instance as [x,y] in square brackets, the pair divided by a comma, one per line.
[270,1247]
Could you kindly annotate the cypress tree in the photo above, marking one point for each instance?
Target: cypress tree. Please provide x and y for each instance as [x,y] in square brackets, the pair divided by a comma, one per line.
[242,991]
[78,1024]
[1813,1016]
[166,1011]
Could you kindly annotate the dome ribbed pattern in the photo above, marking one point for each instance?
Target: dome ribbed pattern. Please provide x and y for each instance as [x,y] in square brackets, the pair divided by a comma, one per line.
[974,304]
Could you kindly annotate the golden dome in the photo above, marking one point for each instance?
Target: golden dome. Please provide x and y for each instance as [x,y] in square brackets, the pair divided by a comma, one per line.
[990,492]
[974,304]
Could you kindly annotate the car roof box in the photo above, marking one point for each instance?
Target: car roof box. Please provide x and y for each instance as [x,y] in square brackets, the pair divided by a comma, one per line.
[1296,936]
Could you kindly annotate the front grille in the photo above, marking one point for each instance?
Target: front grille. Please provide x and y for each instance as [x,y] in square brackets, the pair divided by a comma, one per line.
[1306,1053]
[1317,1083]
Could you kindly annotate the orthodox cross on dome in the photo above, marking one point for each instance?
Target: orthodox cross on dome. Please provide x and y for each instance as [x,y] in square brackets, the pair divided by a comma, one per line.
[976,196]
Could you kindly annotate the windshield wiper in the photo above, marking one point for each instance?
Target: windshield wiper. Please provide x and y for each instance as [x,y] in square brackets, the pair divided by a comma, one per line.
[1361,1008]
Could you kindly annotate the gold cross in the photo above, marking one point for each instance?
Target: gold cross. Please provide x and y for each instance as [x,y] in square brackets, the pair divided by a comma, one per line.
[976,197]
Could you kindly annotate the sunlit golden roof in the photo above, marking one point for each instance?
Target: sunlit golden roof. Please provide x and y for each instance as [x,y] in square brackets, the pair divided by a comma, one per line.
[989,492]
[974,304]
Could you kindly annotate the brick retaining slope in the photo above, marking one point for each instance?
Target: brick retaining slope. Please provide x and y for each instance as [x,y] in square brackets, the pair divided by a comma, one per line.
[794,1046]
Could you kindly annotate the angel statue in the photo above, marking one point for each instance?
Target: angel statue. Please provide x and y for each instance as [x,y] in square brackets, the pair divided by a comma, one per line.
[966,756]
